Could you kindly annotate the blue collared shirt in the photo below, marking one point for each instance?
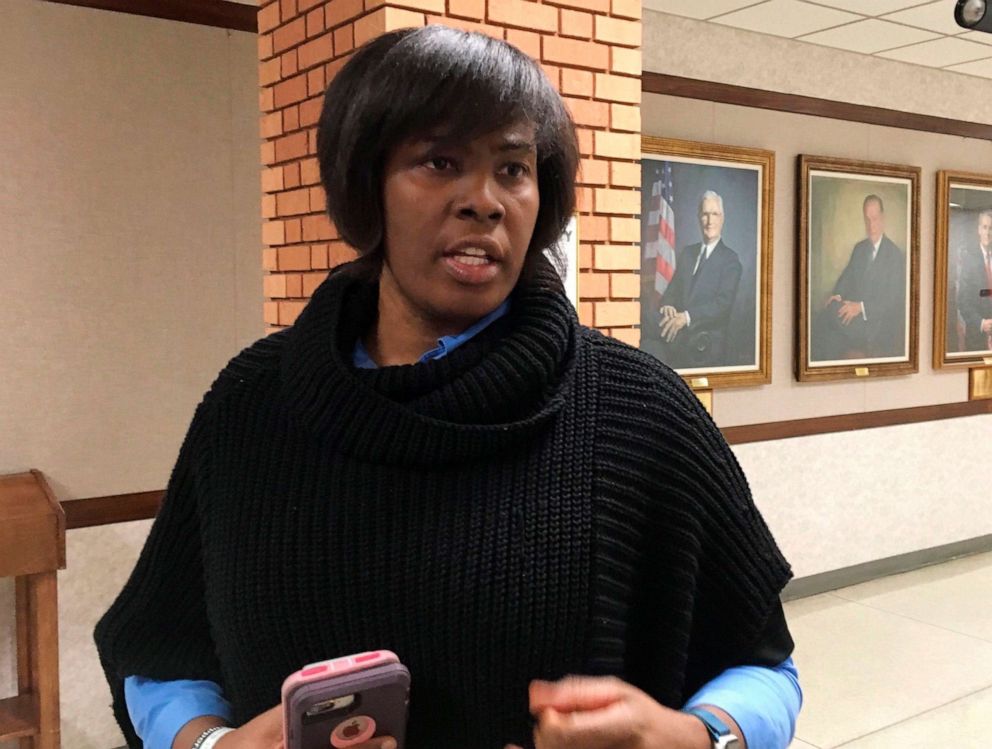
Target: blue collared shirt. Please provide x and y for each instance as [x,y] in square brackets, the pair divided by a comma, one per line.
[764,702]
[445,344]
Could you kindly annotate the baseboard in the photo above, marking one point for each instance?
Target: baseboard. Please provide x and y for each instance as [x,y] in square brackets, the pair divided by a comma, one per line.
[824,582]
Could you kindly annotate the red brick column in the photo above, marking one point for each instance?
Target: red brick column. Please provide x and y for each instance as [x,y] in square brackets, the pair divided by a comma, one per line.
[590,49]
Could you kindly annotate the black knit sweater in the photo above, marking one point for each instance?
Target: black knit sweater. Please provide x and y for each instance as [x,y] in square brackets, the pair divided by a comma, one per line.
[543,501]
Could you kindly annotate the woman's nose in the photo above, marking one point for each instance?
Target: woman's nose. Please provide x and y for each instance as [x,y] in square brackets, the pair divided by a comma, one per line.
[479,200]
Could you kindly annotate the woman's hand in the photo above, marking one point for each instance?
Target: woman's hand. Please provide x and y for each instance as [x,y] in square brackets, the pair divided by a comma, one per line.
[606,713]
[261,732]
[265,732]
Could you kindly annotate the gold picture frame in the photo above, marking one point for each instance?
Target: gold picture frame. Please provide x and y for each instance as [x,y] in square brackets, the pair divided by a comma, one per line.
[836,257]
[956,252]
[740,337]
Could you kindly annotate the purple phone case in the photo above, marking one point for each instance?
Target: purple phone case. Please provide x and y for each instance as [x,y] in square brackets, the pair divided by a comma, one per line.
[383,693]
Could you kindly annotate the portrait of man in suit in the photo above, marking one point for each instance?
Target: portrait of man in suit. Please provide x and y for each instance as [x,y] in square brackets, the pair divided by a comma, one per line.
[974,292]
[689,327]
[705,270]
[864,316]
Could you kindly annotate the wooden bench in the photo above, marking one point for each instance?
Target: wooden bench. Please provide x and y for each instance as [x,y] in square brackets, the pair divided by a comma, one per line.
[32,550]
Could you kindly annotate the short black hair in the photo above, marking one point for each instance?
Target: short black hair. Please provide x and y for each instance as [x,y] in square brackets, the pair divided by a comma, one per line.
[445,82]
[873,199]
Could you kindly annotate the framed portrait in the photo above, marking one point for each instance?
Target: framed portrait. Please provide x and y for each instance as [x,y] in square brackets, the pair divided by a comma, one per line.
[858,269]
[962,319]
[706,260]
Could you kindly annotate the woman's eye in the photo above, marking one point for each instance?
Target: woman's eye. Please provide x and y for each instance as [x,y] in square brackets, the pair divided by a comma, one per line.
[440,163]
[516,170]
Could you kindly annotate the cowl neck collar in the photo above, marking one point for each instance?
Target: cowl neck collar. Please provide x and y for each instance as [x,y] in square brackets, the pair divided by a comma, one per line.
[486,397]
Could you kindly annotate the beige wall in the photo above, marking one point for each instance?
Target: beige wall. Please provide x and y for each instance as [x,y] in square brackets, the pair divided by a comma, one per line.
[837,500]
[129,273]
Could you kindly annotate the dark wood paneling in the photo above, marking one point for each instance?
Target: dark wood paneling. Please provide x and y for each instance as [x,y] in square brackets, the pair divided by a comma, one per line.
[120,508]
[691,88]
[779,430]
[220,13]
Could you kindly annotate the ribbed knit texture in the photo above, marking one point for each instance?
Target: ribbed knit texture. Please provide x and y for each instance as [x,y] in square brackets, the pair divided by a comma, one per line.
[542,501]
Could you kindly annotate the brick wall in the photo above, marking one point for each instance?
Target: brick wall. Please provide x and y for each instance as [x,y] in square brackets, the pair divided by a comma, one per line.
[590,49]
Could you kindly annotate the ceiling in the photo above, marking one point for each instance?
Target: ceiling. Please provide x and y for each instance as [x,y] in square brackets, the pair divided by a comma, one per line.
[921,32]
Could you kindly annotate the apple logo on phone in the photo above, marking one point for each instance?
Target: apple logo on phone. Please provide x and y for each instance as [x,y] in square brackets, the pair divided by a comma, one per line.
[355,730]
[352,730]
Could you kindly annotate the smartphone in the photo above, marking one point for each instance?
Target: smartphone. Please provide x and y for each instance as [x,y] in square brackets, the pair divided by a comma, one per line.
[346,701]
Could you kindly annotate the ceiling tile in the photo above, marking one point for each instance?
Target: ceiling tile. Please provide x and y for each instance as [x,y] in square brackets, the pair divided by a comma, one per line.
[870,35]
[697,9]
[982,68]
[870,7]
[786,18]
[977,36]
[934,16]
[939,52]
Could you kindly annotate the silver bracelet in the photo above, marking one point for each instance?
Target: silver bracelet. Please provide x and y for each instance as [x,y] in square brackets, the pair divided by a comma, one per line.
[209,738]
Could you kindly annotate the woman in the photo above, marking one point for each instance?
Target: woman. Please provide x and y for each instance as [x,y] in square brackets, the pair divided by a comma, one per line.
[439,460]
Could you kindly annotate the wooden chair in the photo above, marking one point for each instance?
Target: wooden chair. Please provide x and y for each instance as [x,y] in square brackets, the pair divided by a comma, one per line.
[32,549]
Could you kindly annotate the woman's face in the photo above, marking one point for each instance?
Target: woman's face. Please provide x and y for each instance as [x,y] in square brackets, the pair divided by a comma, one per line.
[459,219]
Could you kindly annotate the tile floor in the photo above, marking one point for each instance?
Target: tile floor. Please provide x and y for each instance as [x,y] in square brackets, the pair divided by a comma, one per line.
[903,662]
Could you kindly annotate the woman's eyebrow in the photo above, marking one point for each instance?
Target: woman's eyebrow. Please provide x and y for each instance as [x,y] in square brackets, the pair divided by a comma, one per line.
[517,144]
[509,144]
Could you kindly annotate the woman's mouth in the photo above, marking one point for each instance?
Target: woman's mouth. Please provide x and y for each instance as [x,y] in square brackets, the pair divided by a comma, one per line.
[471,265]
[472,256]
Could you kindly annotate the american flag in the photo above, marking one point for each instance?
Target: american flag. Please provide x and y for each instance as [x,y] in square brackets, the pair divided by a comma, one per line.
[660,244]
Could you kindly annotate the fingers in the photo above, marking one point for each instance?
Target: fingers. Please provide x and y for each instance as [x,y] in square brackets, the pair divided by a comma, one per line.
[576,693]
[609,726]
[848,312]
[381,742]
[268,725]
[670,329]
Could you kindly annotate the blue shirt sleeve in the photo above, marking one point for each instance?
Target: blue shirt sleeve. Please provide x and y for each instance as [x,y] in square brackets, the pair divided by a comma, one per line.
[159,709]
[765,702]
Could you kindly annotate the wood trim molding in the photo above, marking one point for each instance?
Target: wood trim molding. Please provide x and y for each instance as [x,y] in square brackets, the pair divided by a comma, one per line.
[824,582]
[123,508]
[779,430]
[219,13]
[691,88]
[120,508]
